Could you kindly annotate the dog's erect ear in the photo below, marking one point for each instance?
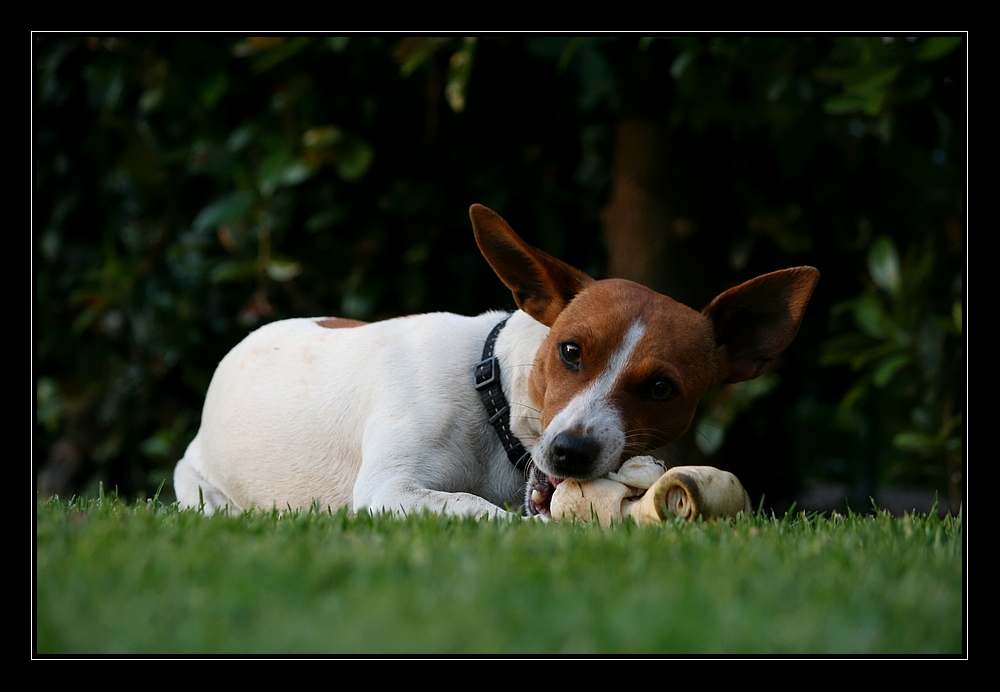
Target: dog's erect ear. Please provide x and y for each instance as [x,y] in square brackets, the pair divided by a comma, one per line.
[757,320]
[542,285]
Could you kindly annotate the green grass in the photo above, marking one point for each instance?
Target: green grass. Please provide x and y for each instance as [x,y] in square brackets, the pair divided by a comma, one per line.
[146,578]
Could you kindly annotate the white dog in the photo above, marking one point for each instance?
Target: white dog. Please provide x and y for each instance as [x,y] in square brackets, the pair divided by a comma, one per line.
[451,414]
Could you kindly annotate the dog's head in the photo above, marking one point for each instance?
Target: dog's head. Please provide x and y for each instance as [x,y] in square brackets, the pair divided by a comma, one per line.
[623,367]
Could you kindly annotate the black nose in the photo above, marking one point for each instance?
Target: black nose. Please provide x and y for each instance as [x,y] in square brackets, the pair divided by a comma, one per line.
[573,455]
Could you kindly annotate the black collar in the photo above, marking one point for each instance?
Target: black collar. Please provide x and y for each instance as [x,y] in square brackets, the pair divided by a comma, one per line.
[486,379]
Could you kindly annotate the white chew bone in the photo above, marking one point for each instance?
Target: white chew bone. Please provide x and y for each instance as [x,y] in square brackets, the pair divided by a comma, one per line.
[685,492]
[639,472]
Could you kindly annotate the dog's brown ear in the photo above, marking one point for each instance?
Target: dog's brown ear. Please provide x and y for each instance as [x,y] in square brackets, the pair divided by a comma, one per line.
[755,321]
[541,284]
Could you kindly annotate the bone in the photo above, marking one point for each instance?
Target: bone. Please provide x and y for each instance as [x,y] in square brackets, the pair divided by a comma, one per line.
[639,472]
[689,492]
[599,499]
[684,492]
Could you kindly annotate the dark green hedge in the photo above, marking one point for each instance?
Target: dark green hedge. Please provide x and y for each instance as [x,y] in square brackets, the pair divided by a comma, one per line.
[190,188]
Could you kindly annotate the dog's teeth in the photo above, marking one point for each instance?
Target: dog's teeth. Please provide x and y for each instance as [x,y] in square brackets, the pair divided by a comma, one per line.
[537,497]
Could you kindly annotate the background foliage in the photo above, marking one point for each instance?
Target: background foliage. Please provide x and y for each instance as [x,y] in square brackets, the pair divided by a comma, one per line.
[190,188]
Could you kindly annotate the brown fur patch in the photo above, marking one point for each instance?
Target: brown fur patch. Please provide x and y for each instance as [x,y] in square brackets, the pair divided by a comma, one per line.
[339,323]
[677,345]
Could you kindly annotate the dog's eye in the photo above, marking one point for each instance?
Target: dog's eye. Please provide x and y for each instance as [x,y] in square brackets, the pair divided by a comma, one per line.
[661,389]
[571,354]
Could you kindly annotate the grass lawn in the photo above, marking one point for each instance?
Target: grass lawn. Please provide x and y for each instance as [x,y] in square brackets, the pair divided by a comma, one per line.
[114,578]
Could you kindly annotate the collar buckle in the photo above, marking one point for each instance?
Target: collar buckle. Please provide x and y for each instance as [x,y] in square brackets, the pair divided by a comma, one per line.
[487,373]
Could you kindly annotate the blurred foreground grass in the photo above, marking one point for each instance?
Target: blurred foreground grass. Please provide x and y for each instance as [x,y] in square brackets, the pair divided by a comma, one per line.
[146,578]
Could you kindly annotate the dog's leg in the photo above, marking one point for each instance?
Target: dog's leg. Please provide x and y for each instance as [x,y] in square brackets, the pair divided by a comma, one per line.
[193,491]
[424,460]
[406,499]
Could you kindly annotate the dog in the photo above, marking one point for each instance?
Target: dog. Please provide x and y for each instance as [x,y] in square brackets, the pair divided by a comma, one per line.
[475,415]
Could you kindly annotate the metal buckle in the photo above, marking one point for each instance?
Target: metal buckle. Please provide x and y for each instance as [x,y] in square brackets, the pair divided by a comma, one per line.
[485,373]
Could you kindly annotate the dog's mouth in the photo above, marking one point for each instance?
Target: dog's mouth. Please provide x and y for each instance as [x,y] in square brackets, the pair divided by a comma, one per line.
[540,491]
[541,486]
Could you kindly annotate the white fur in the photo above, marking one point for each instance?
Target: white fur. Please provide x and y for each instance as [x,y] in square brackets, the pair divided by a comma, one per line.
[385,416]
[379,417]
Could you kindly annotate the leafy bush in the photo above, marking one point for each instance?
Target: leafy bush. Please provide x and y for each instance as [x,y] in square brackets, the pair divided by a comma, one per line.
[191,188]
